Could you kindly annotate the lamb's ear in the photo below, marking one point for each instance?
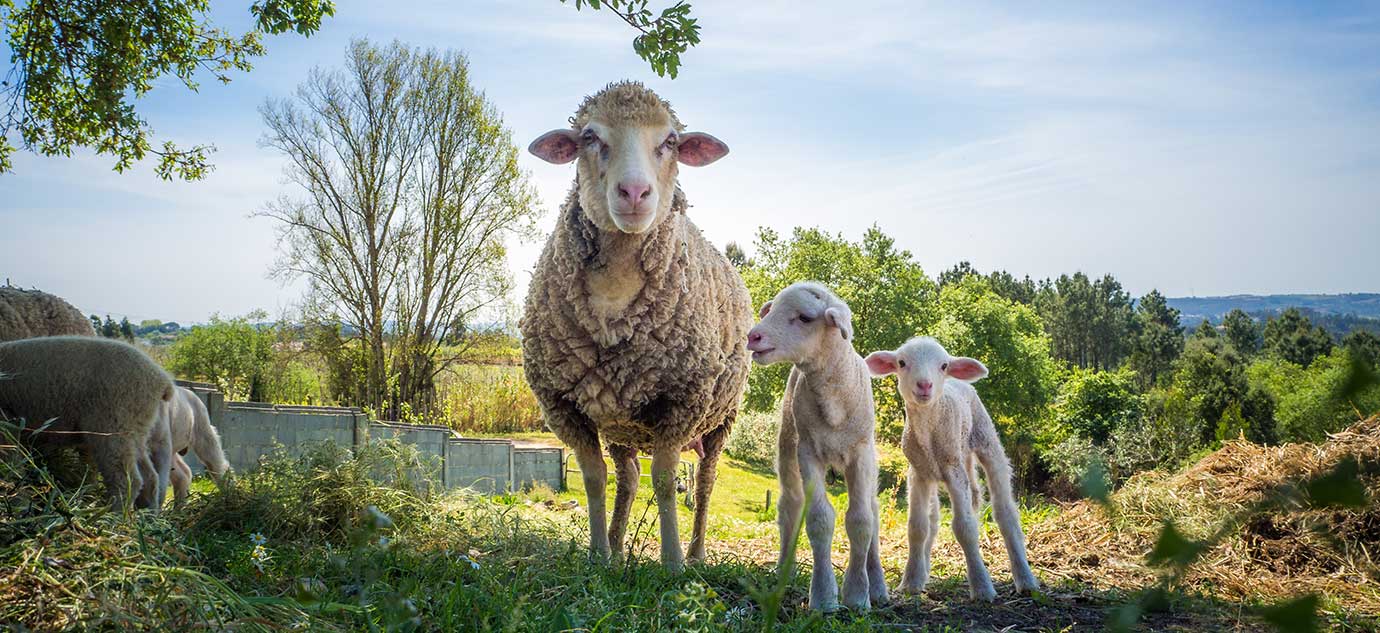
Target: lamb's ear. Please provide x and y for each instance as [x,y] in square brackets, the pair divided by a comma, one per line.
[881,363]
[698,149]
[842,319]
[557,147]
[966,369]
[766,307]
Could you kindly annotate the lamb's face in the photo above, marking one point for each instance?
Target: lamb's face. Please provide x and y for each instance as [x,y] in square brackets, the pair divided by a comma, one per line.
[628,145]
[921,367]
[797,324]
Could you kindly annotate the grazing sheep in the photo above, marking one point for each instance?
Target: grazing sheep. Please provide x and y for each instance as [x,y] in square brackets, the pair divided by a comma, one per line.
[33,313]
[946,424]
[633,329]
[101,395]
[191,429]
[827,420]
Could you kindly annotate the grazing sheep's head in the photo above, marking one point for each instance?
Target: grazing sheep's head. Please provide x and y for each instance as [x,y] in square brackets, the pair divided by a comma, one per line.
[628,142]
[921,366]
[798,323]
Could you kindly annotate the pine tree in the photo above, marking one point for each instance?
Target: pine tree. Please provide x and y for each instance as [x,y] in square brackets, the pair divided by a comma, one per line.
[1242,331]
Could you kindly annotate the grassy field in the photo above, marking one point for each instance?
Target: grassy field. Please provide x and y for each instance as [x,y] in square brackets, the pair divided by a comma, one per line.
[330,541]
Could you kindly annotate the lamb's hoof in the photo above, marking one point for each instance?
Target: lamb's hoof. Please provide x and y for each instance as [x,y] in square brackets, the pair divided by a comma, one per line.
[984,594]
[827,607]
[880,598]
[911,590]
[1027,586]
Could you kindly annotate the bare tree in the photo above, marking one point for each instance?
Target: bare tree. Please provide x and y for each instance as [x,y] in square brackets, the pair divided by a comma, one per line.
[409,185]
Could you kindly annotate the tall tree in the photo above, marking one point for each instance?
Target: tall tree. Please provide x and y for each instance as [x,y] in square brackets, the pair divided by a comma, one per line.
[1242,331]
[126,330]
[1205,330]
[409,185]
[1292,337]
[736,256]
[1159,339]
[1363,346]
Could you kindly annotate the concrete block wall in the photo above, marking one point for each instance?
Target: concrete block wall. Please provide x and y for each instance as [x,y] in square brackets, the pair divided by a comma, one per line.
[249,430]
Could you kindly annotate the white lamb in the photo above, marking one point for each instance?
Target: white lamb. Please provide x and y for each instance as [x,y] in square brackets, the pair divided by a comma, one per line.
[946,424]
[189,424]
[827,420]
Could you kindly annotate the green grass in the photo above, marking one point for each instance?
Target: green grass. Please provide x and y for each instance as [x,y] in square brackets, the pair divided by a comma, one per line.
[457,562]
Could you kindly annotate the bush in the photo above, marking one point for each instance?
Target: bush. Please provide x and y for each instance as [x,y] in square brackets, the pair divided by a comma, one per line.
[892,469]
[1163,437]
[1070,460]
[487,399]
[1093,403]
[1310,403]
[753,439]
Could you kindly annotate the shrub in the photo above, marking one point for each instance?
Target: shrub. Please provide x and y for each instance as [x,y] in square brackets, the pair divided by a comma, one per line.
[487,399]
[753,439]
[1163,437]
[1092,403]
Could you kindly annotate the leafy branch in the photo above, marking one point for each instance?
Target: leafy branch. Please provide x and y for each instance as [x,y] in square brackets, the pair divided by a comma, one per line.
[663,38]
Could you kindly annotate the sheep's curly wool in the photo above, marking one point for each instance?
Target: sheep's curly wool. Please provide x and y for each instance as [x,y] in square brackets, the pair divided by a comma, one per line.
[31,313]
[101,394]
[671,368]
[625,101]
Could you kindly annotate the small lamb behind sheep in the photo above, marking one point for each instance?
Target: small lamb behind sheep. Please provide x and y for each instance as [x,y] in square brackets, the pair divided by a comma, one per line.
[102,395]
[827,419]
[190,426]
[946,424]
[633,330]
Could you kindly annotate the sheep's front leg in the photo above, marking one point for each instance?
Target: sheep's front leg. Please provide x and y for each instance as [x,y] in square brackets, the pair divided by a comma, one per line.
[665,459]
[860,521]
[966,531]
[596,476]
[627,472]
[819,526]
[921,528]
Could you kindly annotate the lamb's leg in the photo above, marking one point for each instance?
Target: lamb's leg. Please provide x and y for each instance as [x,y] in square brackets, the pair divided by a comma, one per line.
[920,529]
[181,480]
[819,526]
[792,488]
[148,474]
[876,576]
[966,531]
[665,459]
[161,454]
[1007,513]
[596,476]
[860,522]
[705,476]
[975,486]
[627,472]
[118,460]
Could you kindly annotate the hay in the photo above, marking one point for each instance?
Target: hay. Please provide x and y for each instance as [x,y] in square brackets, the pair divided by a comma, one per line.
[1273,555]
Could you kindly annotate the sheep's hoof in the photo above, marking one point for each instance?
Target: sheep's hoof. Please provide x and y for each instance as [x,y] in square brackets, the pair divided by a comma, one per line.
[1027,586]
[984,594]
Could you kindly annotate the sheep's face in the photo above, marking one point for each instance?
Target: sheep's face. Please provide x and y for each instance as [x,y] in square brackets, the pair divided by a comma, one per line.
[798,323]
[628,144]
[921,367]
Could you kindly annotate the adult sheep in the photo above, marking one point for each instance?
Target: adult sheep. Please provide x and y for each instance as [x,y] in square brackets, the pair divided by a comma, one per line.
[31,313]
[101,395]
[634,325]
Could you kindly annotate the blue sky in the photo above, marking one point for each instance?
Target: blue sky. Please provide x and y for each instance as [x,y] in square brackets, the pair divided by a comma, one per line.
[1207,148]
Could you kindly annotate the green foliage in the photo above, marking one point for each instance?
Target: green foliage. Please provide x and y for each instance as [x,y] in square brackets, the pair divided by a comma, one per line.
[753,438]
[1309,403]
[1363,346]
[1089,322]
[1163,437]
[1159,339]
[80,66]
[1292,337]
[889,294]
[663,38]
[1092,403]
[1242,331]
[1212,374]
[232,354]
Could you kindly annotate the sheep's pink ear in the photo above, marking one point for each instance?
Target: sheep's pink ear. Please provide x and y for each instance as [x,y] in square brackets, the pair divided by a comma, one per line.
[841,319]
[698,149]
[881,363]
[557,147]
[766,307]
[967,369]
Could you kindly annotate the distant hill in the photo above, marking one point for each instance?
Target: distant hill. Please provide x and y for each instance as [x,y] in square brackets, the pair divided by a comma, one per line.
[1195,309]
[1338,313]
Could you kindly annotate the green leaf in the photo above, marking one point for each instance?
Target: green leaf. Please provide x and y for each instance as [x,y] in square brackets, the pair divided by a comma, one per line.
[1340,487]
[1296,616]
[1173,548]
[1095,485]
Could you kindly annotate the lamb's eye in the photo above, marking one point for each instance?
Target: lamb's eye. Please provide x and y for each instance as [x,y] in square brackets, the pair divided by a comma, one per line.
[944,367]
[670,142]
[805,319]
[901,363]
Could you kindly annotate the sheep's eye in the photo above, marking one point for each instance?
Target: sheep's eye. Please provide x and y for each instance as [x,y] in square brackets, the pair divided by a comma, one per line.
[670,142]
[944,367]
[805,319]
[901,363]
[589,137]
